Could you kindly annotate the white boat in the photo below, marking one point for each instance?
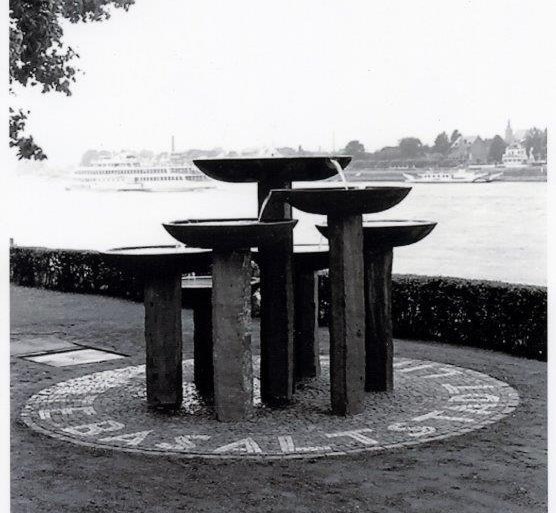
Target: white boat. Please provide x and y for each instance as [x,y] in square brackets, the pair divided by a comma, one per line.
[126,173]
[445,176]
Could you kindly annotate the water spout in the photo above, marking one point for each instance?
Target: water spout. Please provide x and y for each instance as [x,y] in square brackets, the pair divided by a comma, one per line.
[273,195]
[263,206]
[340,171]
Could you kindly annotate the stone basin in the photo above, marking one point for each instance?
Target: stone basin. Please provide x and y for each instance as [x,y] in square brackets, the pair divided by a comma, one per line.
[339,201]
[151,257]
[281,169]
[242,233]
[390,233]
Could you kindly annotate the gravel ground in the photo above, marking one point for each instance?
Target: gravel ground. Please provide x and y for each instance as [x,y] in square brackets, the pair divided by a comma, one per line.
[501,468]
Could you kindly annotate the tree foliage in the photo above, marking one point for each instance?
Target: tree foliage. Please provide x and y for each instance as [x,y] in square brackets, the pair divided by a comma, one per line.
[442,144]
[39,57]
[354,148]
[536,141]
[496,150]
[410,147]
[455,136]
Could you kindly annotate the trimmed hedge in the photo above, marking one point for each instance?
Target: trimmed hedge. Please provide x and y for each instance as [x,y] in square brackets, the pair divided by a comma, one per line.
[80,271]
[490,315]
[85,272]
[486,314]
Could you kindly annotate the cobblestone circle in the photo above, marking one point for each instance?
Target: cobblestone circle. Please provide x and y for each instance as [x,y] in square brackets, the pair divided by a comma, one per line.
[430,401]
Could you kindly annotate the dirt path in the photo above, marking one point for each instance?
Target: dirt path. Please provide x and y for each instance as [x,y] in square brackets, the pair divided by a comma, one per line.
[501,468]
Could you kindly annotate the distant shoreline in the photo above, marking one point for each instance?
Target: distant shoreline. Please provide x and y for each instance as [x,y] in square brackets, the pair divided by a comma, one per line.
[396,175]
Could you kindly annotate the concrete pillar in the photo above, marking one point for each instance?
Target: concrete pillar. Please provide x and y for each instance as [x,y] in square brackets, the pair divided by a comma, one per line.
[163,338]
[305,337]
[276,264]
[347,319]
[231,334]
[379,371]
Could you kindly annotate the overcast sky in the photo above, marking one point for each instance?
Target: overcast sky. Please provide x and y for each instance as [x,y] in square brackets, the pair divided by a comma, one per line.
[248,73]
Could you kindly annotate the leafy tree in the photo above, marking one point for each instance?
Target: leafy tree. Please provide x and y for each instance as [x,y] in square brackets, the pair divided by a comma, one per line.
[410,147]
[497,149]
[455,136]
[39,57]
[387,153]
[442,144]
[536,140]
[354,148]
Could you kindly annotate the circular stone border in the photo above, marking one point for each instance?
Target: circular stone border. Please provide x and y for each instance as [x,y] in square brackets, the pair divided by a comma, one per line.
[430,401]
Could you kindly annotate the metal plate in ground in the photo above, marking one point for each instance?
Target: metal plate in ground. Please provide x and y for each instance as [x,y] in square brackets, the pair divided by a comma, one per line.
[431,401]
[78,357]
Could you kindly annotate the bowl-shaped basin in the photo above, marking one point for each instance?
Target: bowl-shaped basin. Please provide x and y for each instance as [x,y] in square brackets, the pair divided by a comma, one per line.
[228,233]
[144,258]
[280,169]
[339,201]
[390,233]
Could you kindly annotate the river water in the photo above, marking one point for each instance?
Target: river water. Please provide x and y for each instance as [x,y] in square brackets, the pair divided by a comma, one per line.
[494,231]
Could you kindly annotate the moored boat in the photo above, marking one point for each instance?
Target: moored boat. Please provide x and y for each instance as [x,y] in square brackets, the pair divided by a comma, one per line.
[447,176]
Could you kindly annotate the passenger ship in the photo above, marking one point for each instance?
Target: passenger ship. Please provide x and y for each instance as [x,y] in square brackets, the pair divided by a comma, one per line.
[127,173]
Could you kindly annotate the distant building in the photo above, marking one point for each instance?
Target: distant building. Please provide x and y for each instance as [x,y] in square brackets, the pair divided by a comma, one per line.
[509,137]
[471,149]
[516,156]
[512,135]
[516,153]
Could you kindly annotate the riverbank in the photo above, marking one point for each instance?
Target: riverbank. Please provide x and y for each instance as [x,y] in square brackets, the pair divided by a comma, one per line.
[365,174]
[499,468]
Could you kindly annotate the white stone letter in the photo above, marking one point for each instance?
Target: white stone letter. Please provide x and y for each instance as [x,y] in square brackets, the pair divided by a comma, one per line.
[129,438]
[287,446]
[414,431]
[245,445]
[95,428]
[182,442]
[46,414]
[356,434]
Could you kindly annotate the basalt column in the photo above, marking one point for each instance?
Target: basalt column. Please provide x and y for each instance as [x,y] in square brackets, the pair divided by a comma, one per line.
[306,341]
[347,314]
[379,375]
[276,261]
[203,373]
[163,337]
[231,333]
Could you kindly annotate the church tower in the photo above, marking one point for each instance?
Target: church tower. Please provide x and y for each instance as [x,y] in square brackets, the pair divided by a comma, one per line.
[509,137]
